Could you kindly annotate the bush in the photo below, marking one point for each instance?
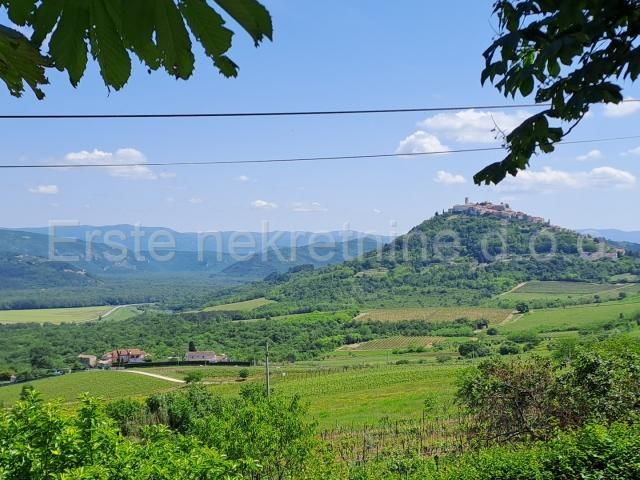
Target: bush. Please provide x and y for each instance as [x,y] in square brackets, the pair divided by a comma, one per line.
[509,348]
[194,377]
[492,331]
[243,373]
[473,350]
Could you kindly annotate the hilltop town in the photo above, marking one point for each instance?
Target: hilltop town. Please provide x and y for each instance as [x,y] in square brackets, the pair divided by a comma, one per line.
[501,210]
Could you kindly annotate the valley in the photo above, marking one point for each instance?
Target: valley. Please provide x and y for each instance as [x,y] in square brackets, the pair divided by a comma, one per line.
[375,357]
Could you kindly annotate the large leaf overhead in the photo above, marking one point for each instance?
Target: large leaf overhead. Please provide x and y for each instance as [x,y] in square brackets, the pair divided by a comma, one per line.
[158,32]
[20,63]
[596,41]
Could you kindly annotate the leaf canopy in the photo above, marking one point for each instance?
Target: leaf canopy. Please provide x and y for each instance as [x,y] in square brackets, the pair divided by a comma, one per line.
[571,54]
[158,32]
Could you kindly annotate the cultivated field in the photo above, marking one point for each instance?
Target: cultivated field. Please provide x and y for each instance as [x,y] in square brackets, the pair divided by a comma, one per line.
[562,287]
[571,318]
[391,343]
[436,314]
[66,315]
[358,396]
[240,306]
[109,385]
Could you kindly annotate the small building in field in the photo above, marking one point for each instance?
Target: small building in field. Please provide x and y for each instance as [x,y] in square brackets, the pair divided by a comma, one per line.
[205,357]
[89,361]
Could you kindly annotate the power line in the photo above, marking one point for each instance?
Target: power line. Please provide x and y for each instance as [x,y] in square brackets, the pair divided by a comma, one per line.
[99,116]
[297,159]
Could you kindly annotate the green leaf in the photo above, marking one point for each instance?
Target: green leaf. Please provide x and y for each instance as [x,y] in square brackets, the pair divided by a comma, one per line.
[21,62]
[138,27]
[251,16]
[208,27]
[526,86]
[226,66]
[68,47]
[106,45]
[173,39]
[20,10]
[44,19]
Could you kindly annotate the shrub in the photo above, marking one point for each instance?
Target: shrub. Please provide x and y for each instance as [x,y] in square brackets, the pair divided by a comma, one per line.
[509,348]
[473,350]
[243,373]
[194,377]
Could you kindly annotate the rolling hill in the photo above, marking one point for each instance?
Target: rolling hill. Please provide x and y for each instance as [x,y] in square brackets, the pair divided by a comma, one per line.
[456,258]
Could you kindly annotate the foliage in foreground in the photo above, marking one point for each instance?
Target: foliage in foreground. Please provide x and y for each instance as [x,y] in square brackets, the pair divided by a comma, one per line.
[593,452]
[38,441]
[530,399]
[158,32]
[185,435]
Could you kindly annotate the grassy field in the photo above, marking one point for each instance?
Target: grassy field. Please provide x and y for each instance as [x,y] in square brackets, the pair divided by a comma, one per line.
[494,315]
[571,318]
[555,288]
[358,396]
[567,292]
[110,385]
[391,343]
[62,315]
[344,396]
[240,306]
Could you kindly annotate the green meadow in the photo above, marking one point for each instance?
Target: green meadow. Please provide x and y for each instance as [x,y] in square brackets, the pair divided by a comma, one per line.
[67,315]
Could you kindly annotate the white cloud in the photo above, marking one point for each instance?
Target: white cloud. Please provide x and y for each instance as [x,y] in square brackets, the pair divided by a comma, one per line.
[166,175]
[44,190]
[473,126]
[621,109]
[123,156]
[311,207]
[196,201]
[591,155]
[549,179]
[421,142]
[448,178]
[377,211]
[263,204]
[633,151]
[243,178]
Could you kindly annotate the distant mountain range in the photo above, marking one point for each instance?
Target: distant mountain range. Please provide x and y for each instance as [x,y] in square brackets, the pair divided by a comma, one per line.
[224,241]
[86,254]
[613,234]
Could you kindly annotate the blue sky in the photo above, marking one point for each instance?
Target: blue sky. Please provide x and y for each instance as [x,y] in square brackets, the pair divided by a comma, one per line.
[333,54]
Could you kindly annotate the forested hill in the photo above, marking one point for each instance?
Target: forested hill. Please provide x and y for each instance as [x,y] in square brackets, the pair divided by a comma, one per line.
[263,264]
[453,259]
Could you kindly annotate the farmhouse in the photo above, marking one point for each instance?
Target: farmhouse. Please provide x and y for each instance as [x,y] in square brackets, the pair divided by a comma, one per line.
[123,356]
[89,361]
[207,357]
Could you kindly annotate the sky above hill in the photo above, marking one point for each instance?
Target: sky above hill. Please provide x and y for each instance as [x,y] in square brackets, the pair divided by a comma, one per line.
[326,55]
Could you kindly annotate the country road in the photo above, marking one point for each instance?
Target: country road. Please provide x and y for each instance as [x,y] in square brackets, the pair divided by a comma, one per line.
[154,375]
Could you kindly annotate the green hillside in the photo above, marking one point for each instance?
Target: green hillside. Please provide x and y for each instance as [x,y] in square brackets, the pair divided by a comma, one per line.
[454,259]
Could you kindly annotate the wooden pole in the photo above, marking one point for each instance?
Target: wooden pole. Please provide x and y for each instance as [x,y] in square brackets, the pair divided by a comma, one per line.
[267,373]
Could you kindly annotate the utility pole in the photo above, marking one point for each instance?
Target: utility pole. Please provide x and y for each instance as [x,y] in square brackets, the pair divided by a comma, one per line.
[267,373]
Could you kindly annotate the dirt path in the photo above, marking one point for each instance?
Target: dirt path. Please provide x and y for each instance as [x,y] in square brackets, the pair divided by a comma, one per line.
[512,317]
[118,307]
[520,285]
[154,375]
